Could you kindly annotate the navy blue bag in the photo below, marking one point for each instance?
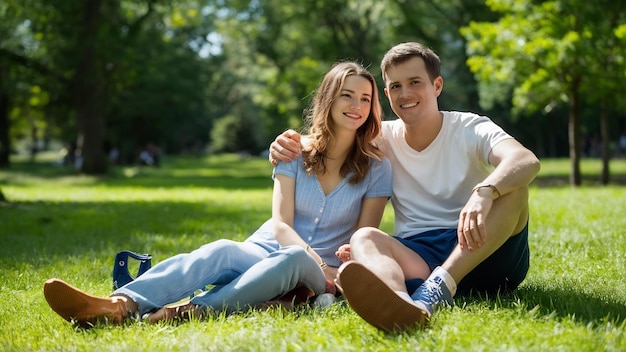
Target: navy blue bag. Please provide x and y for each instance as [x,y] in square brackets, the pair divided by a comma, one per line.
[121,274]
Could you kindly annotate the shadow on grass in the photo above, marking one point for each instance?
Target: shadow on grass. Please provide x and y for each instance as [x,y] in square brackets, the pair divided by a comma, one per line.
[39,231]
[562,303]
[231,171]
[223,171]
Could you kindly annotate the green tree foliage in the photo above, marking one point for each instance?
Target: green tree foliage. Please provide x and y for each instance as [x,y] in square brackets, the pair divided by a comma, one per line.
[237,134]
[129,73]
[114,73]
[16,81]
[548,53]
[437,24]
[232,74]
[280,50]
[162,92]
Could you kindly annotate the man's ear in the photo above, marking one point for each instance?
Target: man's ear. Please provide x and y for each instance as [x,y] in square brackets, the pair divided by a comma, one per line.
[438,83]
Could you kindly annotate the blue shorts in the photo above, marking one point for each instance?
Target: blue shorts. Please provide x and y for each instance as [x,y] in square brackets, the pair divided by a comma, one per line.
[502,271]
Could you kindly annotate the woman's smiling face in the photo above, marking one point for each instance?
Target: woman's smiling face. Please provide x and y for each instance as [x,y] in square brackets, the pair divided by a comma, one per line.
[352,107]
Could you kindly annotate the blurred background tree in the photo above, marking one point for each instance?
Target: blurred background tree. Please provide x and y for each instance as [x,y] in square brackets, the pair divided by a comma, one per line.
[554,53]
[229,75]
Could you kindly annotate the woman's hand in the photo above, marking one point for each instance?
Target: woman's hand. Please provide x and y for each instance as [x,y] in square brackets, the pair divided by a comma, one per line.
[343,252]
[330,287]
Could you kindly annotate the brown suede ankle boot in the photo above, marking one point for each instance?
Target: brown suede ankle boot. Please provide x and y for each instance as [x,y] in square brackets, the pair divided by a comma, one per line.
[84,309]
[180,312]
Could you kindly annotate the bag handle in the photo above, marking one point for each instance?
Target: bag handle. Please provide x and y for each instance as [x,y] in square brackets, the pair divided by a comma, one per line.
[121,275]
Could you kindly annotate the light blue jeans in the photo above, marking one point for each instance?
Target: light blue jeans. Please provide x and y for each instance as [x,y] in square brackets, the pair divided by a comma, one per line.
[244,274]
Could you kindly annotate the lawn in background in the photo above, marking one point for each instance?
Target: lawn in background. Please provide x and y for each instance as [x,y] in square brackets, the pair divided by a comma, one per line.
[60,224]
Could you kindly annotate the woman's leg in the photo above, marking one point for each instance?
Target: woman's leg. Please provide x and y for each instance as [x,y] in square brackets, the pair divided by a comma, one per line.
[178,277]
[272,277]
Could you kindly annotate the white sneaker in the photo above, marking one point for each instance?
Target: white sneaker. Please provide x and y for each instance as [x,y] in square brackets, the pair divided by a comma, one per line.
[324,300]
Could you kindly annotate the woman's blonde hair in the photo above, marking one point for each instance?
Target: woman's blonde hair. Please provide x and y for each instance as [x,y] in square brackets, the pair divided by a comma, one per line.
[321,129]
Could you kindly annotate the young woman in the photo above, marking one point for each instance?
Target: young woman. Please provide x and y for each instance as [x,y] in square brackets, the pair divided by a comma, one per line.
[339,183]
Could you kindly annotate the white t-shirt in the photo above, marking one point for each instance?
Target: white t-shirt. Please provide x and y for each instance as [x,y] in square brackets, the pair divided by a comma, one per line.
[431,187]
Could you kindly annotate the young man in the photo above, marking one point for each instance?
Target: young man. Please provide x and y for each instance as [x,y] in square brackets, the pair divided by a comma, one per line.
[460,197]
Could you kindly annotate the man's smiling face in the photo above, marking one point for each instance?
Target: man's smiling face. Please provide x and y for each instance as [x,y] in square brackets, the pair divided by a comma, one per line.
[410,90]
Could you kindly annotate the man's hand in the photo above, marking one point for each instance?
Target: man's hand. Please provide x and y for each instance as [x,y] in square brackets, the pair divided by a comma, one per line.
[285,147]
[471,231]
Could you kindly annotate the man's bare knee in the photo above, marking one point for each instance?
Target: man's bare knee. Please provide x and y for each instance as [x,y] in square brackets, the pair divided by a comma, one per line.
[366,235]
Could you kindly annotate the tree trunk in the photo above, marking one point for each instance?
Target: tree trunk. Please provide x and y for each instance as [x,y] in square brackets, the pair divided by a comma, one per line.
[88,86]
[5,142]
[574,136]
[34,142]
[606,140]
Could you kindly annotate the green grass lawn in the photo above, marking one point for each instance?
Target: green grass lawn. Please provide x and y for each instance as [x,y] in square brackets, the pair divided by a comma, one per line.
[60,224]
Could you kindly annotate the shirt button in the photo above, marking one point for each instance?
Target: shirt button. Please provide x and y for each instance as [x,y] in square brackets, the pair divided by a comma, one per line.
[317,220]
[321,209]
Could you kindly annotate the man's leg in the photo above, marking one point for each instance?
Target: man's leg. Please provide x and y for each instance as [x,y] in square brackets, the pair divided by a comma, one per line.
[374,280]
[502,271]
[387,257]
[390,262]
[507,217]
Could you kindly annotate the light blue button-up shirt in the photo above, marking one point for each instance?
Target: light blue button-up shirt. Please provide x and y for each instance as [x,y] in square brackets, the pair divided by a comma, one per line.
[326,222]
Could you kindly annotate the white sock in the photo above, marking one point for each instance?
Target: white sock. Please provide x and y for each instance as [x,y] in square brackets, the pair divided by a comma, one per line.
[447,279]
